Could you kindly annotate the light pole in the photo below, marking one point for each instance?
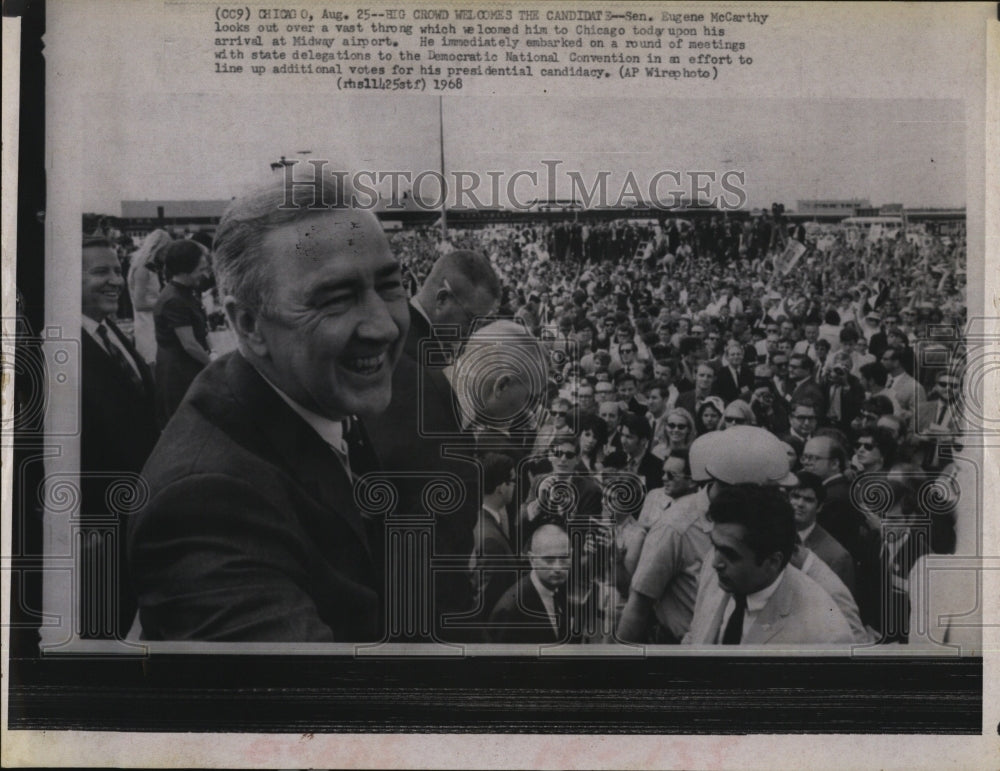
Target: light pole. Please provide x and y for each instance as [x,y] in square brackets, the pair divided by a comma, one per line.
[444,187]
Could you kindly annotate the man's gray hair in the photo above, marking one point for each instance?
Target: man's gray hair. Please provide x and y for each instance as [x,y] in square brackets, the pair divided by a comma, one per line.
[240,267]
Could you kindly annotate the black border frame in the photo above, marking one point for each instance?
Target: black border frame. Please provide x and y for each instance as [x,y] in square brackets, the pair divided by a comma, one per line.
[295,694]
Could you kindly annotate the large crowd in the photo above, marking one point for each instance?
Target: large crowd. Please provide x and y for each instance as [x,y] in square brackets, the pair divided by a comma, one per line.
[721,444]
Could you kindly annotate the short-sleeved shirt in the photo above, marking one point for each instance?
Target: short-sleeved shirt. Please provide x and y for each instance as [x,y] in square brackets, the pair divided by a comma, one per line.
[671,561]
[179,306]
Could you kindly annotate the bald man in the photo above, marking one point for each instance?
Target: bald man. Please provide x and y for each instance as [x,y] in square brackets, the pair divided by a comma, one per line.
[499,381]
[534,609]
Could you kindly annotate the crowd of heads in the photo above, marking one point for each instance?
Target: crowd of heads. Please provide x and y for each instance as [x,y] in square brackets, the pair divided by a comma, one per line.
[625,348]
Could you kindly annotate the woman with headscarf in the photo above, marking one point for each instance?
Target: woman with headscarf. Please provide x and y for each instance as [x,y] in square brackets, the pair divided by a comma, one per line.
[709,415]
[144,287]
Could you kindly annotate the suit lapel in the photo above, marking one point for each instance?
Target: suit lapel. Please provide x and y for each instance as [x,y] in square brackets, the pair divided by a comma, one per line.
[303,453]
[420,331]
[100,359]
[715,625]
[489,529]
[772,616]
[705,625]
[144,372]
[532,603]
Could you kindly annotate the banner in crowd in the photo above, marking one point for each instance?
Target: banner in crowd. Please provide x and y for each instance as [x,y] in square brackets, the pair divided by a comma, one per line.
[826,243]
[788,258]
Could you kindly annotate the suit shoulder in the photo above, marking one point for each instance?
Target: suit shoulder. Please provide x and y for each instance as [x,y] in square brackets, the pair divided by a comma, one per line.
[813,601]
[510,600]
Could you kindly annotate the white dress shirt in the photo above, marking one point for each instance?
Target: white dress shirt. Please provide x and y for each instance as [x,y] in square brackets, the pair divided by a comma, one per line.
[329,430]
[755,604]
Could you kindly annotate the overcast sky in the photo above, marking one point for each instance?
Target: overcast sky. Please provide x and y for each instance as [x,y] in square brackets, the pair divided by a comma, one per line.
[203,146]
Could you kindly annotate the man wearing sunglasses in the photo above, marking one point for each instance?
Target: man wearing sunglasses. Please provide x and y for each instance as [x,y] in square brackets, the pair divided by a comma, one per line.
[940,422]
[557,423]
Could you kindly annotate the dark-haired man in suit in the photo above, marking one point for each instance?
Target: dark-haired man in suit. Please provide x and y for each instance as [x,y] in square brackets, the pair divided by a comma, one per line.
[492,573]
[117,433]
[806,497]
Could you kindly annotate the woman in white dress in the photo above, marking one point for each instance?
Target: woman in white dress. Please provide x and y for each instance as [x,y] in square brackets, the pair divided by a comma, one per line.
[144,287]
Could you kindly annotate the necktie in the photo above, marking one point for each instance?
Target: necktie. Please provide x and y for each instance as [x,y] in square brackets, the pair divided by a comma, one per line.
[119,358]
[349,442]
[734,627]
[889,381]
[834,411]
[559,604]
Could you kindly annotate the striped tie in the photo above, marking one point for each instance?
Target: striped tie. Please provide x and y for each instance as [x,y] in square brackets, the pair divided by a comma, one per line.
[119,357]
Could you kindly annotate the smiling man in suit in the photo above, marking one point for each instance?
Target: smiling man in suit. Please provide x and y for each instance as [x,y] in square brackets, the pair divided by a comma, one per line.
[252,531]
[117,433]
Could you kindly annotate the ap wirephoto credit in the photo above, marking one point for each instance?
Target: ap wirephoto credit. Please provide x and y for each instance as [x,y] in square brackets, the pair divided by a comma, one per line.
[525,368]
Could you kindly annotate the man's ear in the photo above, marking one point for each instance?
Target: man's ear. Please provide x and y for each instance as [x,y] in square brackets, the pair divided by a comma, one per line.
[501,384]
[246,324]
[774,561]
[441,297]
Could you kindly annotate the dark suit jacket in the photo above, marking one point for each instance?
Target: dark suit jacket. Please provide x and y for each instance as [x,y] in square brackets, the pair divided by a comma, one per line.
[795,441]
[520,617]
[411,438]
[251,532]
[877,344]
[117,433]
[118,427]
[828,549]
[687,401]
[809,390]
[852,396]
[839,517]
[493,571]
[725,386]
[588,497]
[651,471]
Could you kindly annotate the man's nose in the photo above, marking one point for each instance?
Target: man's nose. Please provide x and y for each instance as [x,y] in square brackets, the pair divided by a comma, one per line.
[378,324]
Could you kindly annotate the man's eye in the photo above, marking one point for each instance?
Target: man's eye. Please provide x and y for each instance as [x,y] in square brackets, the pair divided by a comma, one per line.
[337,300]
[390,288]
